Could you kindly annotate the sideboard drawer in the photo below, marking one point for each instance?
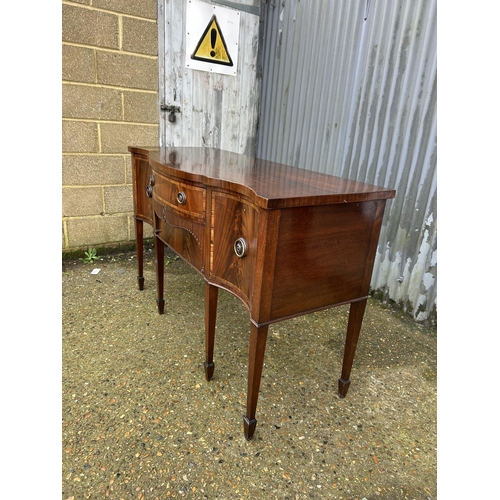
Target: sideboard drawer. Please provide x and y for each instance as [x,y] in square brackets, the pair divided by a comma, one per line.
[186,199]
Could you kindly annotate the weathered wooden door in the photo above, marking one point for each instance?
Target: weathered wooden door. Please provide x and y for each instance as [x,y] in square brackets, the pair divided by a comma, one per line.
[209,81]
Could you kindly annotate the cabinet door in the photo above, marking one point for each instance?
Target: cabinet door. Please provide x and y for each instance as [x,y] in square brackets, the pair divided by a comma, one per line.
[233,252]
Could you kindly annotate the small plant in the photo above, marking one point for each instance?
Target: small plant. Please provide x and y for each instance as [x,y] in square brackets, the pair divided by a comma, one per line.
[170,258]
[90,256]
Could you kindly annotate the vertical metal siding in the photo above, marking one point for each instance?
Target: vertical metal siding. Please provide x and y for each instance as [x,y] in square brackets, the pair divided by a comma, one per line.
[350,88]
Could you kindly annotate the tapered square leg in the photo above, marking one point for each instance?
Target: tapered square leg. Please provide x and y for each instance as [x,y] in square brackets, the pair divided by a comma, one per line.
[211,295]
[160,272]
[258,337]
[356,313]
[139,238]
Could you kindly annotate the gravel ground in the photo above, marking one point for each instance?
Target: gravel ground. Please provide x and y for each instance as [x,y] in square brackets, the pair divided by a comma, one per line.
[140,421]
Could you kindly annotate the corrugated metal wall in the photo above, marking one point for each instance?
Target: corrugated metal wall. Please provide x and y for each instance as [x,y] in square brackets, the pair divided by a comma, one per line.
[349,88]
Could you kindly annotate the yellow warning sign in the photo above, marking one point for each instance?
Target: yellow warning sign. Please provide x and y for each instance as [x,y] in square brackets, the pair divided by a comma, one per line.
[212,47]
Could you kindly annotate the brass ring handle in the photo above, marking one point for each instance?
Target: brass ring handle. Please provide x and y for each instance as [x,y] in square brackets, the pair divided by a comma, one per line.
[149,187]
[181,198]
[240,247]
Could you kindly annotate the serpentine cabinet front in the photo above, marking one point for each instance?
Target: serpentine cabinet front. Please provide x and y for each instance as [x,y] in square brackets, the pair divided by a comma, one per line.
[243,224]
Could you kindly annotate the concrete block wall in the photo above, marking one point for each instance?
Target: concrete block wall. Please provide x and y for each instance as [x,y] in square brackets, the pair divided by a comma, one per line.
[109,101]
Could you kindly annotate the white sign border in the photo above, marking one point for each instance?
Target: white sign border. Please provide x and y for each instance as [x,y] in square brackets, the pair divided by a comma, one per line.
[198,15]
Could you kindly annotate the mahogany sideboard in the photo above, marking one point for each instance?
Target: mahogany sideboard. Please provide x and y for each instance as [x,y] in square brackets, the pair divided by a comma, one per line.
[286,241]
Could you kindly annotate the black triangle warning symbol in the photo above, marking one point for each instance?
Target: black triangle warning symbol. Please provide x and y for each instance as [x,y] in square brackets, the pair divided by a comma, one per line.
[212,47]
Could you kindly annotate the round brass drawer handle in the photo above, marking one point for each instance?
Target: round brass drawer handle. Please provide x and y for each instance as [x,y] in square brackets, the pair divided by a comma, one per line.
[149,187]
[181,198]
[240,247]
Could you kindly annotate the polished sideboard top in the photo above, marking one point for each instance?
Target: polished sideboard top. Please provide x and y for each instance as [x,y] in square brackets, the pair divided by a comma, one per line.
[268,184]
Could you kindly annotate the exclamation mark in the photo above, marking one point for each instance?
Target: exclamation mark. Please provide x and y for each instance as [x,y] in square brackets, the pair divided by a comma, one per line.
[213,39]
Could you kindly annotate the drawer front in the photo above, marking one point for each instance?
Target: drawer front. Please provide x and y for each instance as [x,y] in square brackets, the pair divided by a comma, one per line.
[233,252]
[181,234]
[183,198]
